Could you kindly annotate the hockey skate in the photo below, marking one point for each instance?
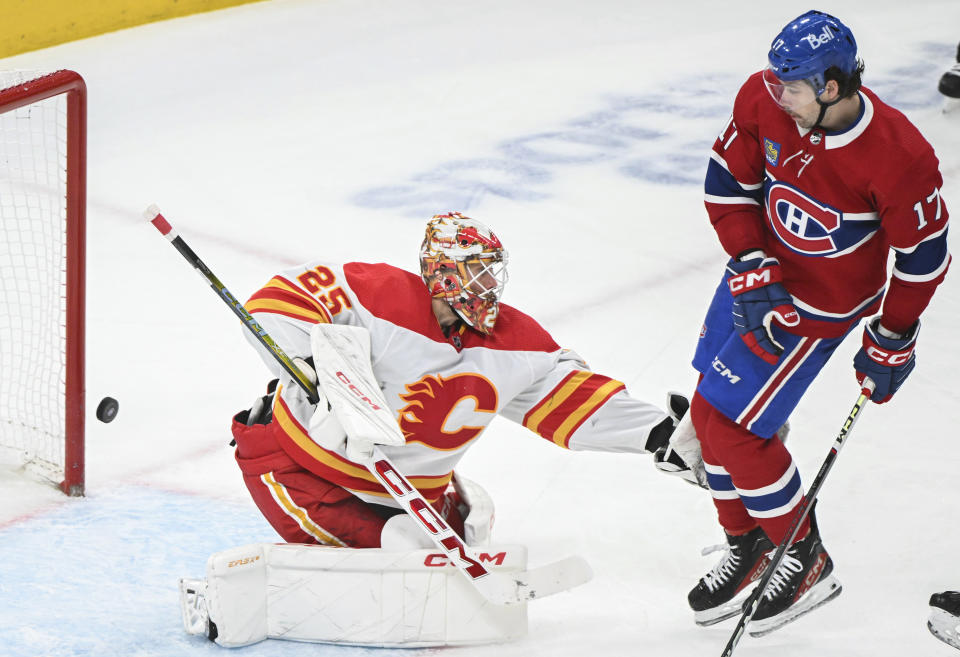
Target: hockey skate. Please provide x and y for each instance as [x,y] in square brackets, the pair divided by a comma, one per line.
[950,81]
[944,622]
[803,581]
[722,591]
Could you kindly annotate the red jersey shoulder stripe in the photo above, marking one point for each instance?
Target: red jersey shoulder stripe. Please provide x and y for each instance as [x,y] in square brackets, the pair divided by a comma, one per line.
[569,404]
[281,297]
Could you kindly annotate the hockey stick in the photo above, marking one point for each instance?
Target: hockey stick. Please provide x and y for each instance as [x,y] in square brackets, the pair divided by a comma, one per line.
[750,606]
[495,587]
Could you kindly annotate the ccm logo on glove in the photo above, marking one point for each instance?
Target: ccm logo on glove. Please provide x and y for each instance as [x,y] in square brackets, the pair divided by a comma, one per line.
[890,358]
[753,279]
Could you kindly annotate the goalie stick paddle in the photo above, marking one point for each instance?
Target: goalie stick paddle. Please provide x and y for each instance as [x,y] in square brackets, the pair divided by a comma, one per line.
[499,588]
[750,606]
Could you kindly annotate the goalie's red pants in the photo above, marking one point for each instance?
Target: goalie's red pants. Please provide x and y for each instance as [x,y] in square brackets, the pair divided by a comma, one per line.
[753,480]
[305,508]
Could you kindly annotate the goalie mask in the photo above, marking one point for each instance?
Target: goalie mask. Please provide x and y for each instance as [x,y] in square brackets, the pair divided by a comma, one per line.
[464,263]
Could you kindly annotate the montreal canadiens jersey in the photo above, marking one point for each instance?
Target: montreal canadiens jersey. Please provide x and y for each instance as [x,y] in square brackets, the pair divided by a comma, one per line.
[444,391]
[830,207]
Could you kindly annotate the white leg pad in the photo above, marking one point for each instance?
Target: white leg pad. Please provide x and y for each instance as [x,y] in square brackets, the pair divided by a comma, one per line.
[369,597]
[236,580]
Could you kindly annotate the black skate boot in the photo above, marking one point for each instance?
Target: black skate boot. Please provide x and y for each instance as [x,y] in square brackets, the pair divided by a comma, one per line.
[803,582]
[944,620]
[950,81]
[721,592]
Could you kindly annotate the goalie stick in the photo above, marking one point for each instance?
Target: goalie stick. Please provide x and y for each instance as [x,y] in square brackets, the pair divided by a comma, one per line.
[496,587]
[750,606]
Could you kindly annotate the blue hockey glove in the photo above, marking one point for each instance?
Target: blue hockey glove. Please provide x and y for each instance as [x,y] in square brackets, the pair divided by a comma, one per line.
[886,361]
[759,299]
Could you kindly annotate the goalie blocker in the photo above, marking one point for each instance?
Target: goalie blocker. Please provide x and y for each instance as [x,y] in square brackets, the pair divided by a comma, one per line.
[366,597]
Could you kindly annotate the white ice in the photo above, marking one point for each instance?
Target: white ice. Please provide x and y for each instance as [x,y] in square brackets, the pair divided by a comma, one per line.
[278,132]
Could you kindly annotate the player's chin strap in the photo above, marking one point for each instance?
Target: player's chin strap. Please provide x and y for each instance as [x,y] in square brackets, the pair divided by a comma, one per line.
[823,109]
[500,588]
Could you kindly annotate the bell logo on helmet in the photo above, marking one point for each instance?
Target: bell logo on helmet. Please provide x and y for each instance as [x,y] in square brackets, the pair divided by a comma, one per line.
[817,40]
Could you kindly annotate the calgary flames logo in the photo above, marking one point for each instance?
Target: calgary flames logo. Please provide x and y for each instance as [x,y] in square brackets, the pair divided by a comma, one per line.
[441,412]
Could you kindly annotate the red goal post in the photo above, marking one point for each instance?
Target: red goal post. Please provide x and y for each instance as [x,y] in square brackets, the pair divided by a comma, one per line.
[42,273]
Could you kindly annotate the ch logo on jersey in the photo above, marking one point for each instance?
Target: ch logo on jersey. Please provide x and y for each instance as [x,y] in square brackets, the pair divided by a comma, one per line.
[447,412]
[801,222]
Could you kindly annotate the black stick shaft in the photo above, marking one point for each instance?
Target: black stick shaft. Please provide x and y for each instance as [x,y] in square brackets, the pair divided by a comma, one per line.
[158,220]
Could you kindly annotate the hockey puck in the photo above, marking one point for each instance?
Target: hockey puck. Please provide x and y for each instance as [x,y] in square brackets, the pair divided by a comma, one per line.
[107,409]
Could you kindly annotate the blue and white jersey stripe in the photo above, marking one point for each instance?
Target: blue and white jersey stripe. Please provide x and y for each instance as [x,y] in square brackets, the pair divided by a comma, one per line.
[925,261]
[770,501]
[723,188]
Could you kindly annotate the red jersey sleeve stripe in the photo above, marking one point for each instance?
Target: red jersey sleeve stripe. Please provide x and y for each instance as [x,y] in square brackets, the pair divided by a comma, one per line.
[569,405]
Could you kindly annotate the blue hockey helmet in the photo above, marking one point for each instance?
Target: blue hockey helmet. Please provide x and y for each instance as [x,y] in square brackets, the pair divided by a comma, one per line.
[809,45]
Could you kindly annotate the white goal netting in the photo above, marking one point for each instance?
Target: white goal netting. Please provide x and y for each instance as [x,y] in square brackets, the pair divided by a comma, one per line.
[33,282]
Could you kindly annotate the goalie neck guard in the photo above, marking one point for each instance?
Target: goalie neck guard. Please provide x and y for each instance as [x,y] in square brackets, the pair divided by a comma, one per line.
[464,263]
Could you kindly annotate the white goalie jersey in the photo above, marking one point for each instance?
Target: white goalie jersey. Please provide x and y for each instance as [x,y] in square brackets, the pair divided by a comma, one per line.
[443,389]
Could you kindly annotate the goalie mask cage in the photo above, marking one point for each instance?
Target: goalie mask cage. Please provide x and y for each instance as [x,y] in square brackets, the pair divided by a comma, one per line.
[42,273]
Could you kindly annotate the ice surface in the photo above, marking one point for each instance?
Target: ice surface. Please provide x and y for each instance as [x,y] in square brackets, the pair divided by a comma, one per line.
[278,132]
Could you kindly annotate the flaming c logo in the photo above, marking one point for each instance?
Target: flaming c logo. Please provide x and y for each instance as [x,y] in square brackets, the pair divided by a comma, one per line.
[439,410]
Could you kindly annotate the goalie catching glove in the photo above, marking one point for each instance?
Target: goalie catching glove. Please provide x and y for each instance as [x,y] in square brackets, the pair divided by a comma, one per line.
[679,454]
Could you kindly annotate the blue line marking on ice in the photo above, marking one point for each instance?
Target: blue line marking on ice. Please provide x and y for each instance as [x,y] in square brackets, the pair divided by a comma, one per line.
[98,576]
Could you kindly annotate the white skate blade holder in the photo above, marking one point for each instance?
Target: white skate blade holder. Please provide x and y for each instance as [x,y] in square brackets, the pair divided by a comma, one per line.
[822,593]
[945,626]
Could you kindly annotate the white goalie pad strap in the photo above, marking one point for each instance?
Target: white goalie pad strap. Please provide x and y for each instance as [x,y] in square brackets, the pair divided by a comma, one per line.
[369,597]
[684,442]
[341,354]
[478,521]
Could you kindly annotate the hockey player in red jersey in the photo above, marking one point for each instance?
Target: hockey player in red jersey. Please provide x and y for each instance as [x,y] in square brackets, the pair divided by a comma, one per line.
[449,357]
[810,185]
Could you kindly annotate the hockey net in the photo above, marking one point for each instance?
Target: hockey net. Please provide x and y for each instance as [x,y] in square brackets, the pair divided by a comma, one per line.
[42,250]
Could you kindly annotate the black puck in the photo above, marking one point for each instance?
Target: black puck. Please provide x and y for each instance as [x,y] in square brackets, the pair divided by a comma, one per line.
[107,409]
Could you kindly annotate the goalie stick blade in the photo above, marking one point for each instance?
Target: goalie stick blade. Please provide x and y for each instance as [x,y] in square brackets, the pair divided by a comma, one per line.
[513,588]
[554,578]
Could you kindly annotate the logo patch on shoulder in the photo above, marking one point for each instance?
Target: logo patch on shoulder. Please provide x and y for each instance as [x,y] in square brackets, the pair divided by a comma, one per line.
[772,150]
